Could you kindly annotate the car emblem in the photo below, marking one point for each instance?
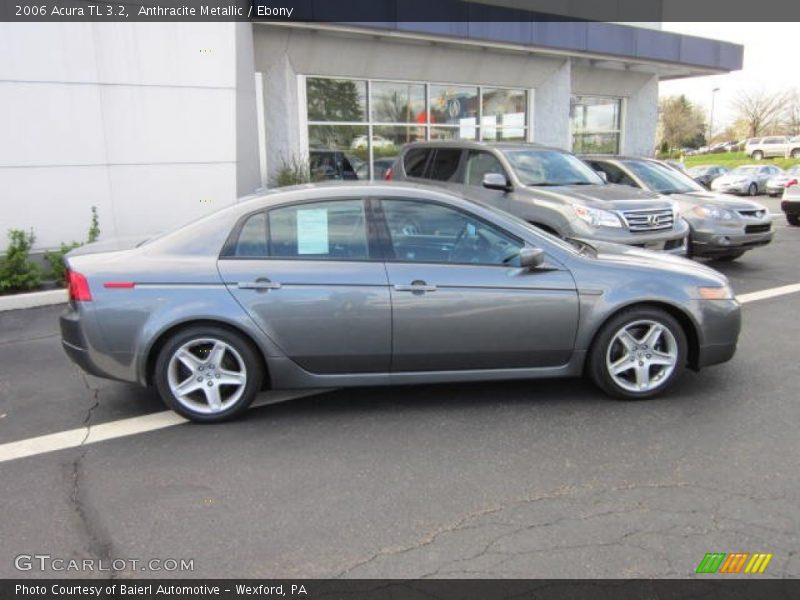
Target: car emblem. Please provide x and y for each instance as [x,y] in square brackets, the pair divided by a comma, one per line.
[653,220]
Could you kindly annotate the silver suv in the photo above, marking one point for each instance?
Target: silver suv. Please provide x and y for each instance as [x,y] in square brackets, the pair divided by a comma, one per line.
[767,147]
[549,188]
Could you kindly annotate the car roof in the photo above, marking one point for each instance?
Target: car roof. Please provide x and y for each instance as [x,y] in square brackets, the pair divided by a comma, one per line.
[475,145]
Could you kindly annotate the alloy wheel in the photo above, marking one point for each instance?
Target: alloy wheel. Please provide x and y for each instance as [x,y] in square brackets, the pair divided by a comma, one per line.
[642,355]
[207,375]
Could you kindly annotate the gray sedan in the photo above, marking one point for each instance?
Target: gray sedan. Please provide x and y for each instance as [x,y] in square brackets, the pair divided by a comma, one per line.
[382,284]
[722,227]
[748,180]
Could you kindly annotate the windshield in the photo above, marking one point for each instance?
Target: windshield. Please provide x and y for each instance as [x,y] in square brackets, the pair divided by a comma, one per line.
[662,179]
[744,171]
[550,167]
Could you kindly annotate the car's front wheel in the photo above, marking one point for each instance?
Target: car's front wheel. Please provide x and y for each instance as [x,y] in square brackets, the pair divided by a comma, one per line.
[752,190]
[793,219]
[638,354]
[758,155]
[208,374]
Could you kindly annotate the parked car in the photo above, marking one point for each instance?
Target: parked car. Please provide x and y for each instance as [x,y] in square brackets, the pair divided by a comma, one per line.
[790,204]
[789,177]
[360,142]
[705,174]
[322,286]
[767,147]
[379,167]
[747,179]
[793,147]
[676,164]
[722,227]
[333,164]
[718,148]
[549,188]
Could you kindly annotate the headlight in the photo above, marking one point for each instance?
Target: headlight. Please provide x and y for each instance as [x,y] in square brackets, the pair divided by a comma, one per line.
[708,211]
[596,217]
[716,293]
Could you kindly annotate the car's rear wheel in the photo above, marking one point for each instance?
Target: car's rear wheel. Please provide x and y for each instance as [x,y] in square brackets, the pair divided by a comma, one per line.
[208,374]
[758,155]
[796,153]
[638,354]
[752,190]
[793,220]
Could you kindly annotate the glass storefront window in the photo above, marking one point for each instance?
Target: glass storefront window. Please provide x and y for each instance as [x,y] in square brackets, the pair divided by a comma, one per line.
[595,124]
[398,102]
[395,113]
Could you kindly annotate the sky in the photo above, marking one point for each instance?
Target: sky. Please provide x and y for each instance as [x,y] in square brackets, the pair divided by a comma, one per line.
[770,62]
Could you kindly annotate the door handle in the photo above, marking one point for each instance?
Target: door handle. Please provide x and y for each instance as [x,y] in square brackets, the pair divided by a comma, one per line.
[415,286]
[259,284]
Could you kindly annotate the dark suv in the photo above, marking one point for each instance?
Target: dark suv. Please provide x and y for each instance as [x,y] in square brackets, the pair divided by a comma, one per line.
[549,188]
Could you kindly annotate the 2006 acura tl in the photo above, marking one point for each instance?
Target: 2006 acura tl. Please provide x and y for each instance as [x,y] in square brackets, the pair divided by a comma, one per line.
[368,284]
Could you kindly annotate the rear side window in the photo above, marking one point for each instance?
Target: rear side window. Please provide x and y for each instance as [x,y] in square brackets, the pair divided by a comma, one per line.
[415,160]
[335,230]
[444,164]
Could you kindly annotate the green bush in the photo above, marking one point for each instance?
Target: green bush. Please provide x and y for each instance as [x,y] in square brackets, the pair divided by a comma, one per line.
[293,171]
[17,272]
[55,259]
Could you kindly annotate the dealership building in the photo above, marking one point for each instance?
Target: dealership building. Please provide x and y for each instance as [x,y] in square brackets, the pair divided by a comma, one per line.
[156,124]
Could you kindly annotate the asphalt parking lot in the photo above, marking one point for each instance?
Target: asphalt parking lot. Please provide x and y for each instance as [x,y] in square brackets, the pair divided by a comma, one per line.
[521,479]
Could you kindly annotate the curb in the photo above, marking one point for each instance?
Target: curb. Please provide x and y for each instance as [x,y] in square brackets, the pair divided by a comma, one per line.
[33,299]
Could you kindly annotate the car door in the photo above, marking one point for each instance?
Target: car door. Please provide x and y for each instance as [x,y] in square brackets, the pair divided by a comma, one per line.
[459,299]
[311,277]
[764,173]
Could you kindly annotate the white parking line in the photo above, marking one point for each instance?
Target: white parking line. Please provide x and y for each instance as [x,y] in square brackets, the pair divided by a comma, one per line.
[92,434]
[153,422]
[770,293]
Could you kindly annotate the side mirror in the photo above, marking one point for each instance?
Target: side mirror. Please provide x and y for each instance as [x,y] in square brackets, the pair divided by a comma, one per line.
[531,258]
[495,181]
[603,175]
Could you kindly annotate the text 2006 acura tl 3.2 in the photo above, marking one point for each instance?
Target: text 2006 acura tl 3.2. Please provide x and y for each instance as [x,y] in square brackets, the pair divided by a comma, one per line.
[375,284]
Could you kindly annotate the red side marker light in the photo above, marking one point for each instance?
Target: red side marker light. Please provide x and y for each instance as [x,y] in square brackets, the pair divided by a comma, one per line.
[78,287]
[119,284]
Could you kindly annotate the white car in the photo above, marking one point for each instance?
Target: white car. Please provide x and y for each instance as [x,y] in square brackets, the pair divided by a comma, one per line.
[748,180]
[360,142]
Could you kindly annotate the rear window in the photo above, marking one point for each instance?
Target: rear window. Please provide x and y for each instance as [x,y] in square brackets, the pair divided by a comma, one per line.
[414,161]
[445,163]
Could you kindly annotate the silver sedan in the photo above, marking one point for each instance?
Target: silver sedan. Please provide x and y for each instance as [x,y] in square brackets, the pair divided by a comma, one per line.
[749,180]
[382,284]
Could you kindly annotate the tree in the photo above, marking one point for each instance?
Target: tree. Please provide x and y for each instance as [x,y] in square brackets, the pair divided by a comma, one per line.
[760,110]
[792,113]
[681,123]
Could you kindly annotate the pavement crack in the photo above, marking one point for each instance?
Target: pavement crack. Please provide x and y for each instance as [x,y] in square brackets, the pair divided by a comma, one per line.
[98,543]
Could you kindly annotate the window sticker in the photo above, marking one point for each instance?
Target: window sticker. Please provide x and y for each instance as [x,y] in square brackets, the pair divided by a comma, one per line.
[312,231]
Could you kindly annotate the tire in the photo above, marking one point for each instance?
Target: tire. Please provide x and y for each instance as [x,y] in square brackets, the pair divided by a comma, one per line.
[752,190]
[758,155]
[773,195]
[608,349]
[793,220]
[795,153]
[207,399]
[729,257]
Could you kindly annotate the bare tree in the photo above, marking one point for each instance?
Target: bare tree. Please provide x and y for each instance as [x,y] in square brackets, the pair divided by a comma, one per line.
[760,110]
[792,113]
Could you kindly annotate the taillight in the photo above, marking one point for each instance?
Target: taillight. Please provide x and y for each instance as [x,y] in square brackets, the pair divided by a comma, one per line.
[791,182]
[78,287]
[388,175]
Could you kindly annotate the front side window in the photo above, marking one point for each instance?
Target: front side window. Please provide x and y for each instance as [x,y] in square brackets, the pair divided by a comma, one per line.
[596,124]
[662,179]
[479,164]
[550,167]
[613,173]
[334,230]
[415,160]
[433,233]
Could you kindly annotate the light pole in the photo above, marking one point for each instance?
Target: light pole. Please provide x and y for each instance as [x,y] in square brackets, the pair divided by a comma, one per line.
[711,117]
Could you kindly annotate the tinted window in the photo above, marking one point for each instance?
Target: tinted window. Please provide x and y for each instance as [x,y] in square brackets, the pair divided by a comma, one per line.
[479,164]
[613,173]
[429,232]
[414,161]
[444,164]
[658,178]
[252,237]
[333,230]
